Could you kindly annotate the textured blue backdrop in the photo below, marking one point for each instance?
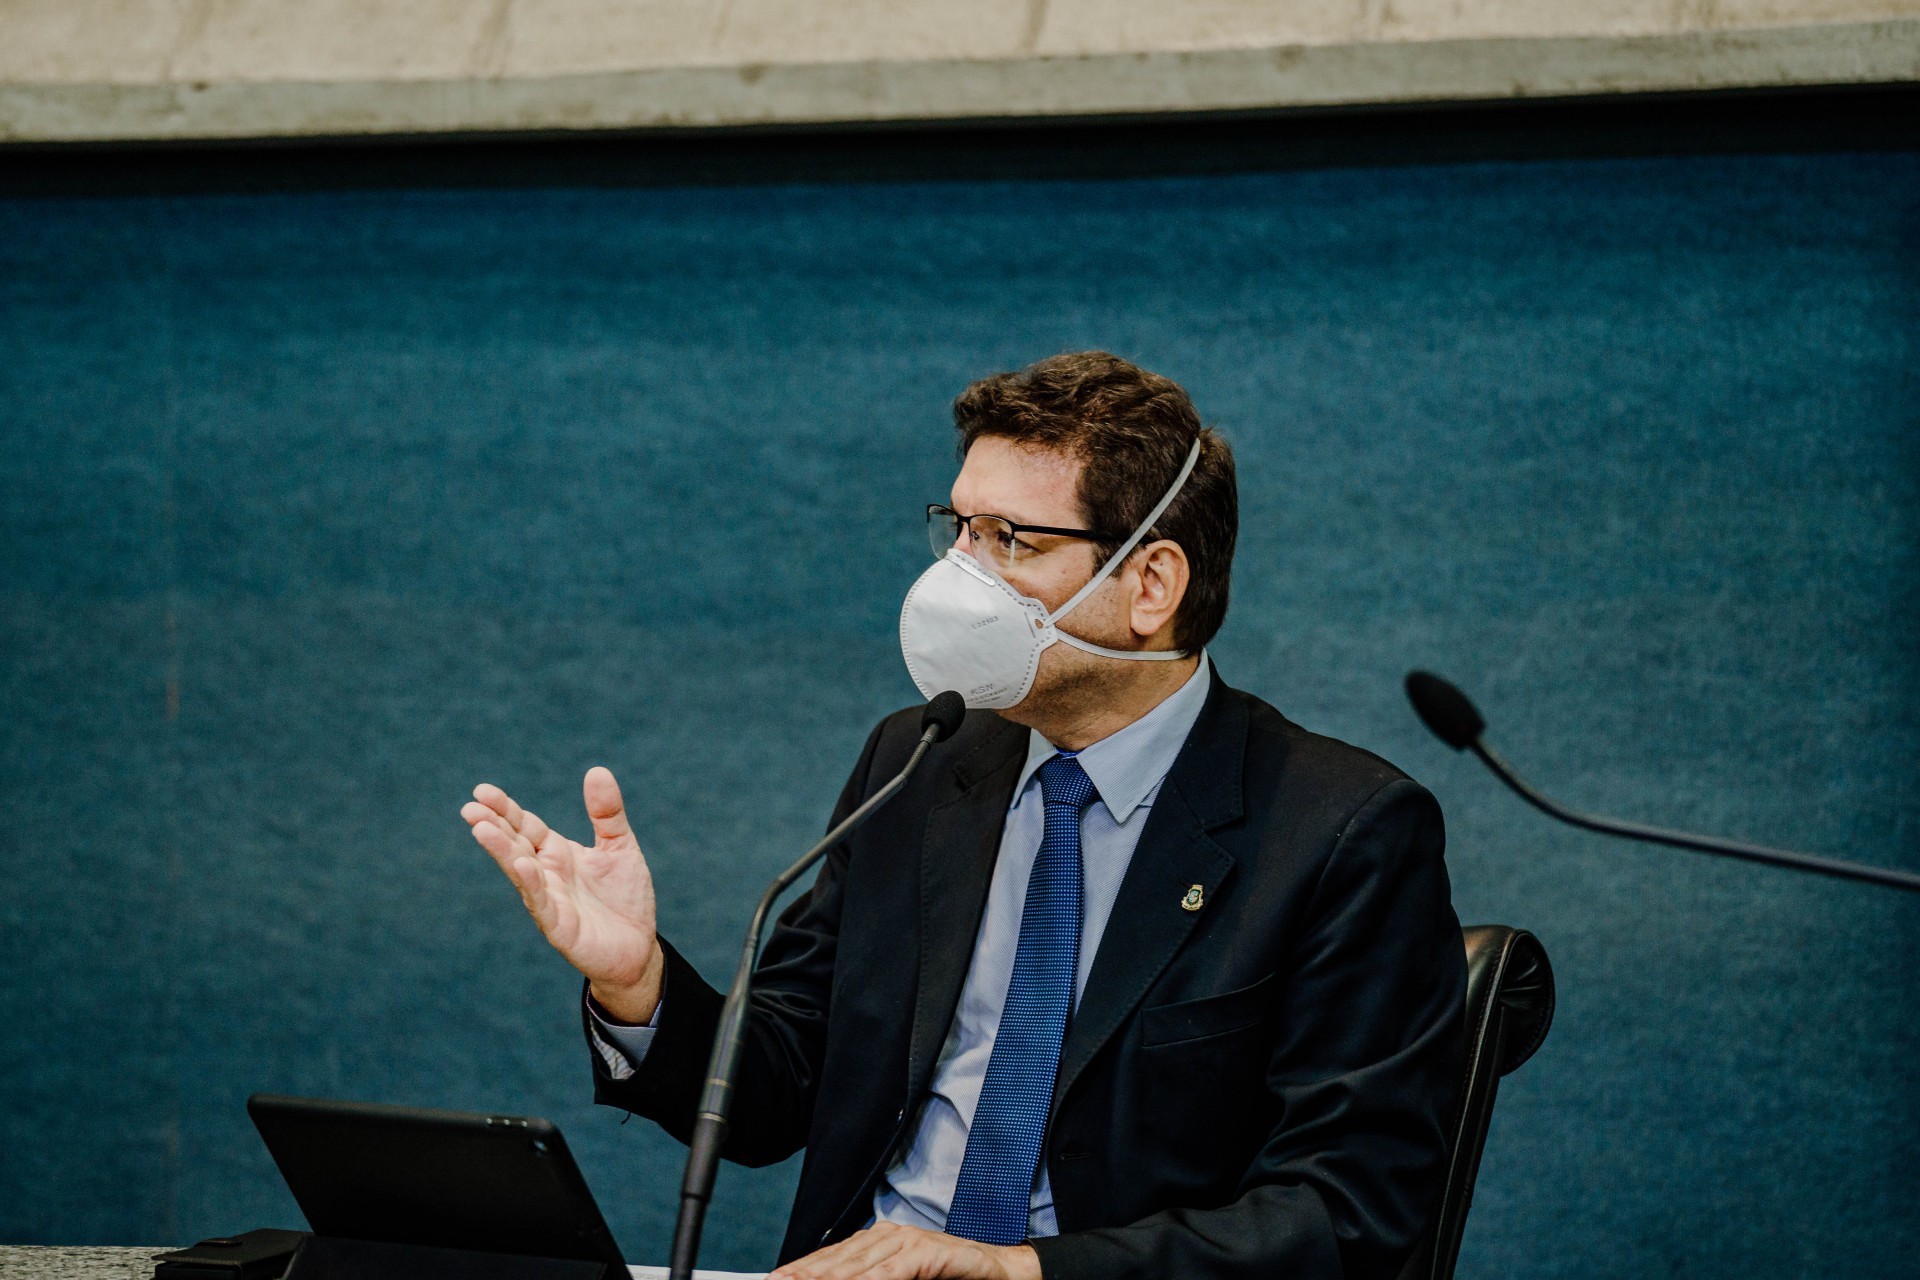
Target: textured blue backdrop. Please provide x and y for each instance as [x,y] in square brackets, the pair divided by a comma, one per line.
[317,509]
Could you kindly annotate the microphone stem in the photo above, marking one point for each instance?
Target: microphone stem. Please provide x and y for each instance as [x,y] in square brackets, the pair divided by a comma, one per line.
[716,1100]
[1682,840]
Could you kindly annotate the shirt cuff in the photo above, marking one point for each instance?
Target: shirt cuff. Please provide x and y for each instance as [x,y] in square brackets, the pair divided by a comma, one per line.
[621,1047]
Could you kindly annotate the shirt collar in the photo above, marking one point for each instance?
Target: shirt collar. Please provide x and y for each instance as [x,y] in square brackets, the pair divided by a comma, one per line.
[1126,766]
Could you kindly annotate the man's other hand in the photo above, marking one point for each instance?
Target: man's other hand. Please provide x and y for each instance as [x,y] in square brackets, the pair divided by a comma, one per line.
[594,904]
[888,1251]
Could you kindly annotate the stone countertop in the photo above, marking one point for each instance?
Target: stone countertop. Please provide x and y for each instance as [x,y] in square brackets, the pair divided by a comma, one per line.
[70,1262]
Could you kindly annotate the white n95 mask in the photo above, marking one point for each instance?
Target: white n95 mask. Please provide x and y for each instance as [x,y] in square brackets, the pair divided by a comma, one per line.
[963,627]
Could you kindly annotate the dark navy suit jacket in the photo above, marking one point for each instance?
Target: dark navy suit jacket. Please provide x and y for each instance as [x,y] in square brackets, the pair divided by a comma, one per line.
[1255,1088]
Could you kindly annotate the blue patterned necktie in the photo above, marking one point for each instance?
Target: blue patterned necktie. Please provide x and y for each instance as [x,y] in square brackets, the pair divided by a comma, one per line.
[992,1198]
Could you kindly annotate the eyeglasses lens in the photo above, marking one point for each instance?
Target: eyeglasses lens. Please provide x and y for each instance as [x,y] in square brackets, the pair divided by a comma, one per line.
[991,542]
[943,529]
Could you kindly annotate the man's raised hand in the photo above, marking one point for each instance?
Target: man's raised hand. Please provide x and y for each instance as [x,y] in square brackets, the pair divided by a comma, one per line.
[595,905]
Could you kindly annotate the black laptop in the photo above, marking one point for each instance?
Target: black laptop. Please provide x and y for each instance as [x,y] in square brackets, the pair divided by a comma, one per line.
[440,1179]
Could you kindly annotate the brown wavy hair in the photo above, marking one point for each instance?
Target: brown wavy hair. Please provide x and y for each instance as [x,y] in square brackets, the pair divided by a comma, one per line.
[1131,431]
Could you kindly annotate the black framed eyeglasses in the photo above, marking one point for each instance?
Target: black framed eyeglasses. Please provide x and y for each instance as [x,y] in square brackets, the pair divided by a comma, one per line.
[996,541]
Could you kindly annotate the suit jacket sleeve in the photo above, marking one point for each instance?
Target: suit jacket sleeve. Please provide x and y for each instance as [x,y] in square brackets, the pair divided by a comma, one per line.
[1363,1075]
[786,1024]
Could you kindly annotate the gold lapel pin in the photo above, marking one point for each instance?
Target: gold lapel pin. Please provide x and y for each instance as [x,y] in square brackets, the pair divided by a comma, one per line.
[1196,898]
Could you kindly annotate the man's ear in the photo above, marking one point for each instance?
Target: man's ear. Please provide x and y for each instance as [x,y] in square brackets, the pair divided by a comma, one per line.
[1160,573]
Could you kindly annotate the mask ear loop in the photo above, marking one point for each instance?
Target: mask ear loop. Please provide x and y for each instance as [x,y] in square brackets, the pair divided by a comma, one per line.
[1117,559]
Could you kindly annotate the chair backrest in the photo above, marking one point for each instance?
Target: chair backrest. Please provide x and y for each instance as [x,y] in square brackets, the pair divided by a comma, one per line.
[1509,1008]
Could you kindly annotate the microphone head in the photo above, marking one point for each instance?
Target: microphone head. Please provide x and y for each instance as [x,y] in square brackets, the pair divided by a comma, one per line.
[944,715]
[1444,709]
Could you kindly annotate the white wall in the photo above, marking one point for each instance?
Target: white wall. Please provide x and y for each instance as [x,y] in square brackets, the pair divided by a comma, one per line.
[124,69]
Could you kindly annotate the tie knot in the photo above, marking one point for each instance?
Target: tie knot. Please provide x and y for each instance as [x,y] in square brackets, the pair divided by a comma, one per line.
[1063,781]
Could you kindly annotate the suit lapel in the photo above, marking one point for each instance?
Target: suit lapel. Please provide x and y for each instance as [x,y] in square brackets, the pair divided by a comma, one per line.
[1149,924]
[956,869]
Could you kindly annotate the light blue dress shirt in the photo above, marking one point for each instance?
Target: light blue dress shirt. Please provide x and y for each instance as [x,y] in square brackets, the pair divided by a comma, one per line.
[1127,769]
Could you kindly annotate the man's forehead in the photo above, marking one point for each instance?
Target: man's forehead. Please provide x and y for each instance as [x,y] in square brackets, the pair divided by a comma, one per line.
[1026,484]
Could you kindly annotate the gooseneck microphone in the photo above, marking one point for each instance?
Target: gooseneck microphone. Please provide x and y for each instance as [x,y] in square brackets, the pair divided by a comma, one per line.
[937,723]
[1455,721]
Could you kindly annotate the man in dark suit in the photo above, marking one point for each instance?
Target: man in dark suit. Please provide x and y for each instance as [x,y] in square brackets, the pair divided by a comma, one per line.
[1136,978]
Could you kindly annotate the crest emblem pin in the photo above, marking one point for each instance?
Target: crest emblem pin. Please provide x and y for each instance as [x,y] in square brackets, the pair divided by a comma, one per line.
[1195,899]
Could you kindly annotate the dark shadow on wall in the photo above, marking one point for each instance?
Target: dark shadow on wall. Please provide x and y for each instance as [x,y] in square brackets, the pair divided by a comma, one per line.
[1864,118]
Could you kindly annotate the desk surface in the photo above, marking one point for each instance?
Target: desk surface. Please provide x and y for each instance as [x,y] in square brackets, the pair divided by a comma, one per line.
[66,1262]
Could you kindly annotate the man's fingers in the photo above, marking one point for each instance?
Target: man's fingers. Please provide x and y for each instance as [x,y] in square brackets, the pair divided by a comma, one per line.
[534,828]
[498,801]
[511,842]
[532,883]
[511,852]
[524,821]
[852,1258]
[476,813]
[490,801]
[521,870]
[604,806]
[499,844]
[864,1253]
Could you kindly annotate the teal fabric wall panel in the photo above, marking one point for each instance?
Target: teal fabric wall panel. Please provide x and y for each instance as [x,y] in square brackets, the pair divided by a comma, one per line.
[318,509]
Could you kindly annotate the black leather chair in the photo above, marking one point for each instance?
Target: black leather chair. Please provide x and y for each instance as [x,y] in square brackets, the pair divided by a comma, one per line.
[1509,1008]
